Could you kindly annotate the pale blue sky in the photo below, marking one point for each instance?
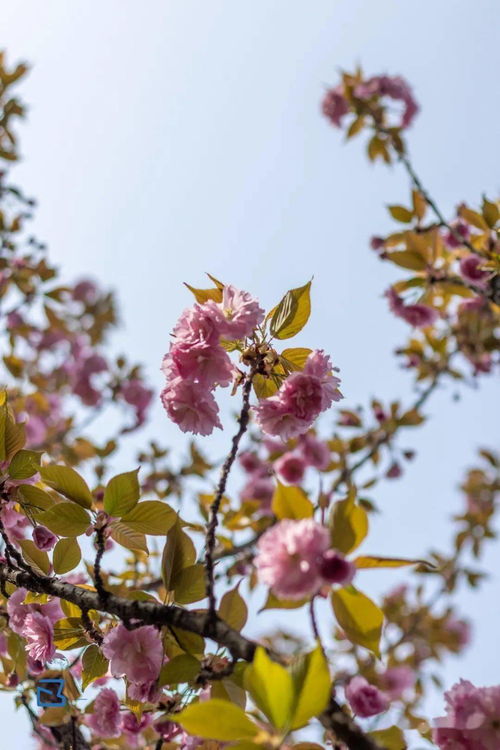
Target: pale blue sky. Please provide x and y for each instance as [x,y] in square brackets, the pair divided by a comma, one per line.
[169,138]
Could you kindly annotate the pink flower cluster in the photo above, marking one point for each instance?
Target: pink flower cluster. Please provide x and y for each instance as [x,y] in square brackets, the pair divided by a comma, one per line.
[300,399]
[416,315]
[35,623]
[138,654]
[472,720]
[294,559]
[365,699]
[336,105]
[197,363]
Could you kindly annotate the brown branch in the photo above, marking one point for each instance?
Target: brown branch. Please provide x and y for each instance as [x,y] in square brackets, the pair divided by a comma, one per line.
[214,508]
[345,728]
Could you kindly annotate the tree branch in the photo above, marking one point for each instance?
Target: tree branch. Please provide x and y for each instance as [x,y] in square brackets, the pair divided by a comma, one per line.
[345,728]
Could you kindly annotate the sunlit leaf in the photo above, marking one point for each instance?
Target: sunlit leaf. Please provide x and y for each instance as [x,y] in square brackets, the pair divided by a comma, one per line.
[66,556]
[217,720]
[292,313]
[291,502]
[312,687]
[271,688]
[121,494]
[65,519]
[65,480]
[359,617]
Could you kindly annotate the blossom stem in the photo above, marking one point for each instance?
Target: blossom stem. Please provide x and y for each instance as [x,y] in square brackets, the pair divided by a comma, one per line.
[221,487]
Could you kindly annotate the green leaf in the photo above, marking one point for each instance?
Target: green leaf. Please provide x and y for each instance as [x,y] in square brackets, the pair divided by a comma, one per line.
[271,688]
[400,213]
[291,502]
[37,558]
[191,585]
[372,561]
[390,739]
[65,519]
[408,259]
[179,553]
[312,687]
[151,517]
[232,609]
[67,554]
[15,437]
[68,483]
[128,538]
[182,668]
[359,617]
[69,634]
[34,499]
[24,464]
[292,313]
[122,494]
[272,602]
[217,720]
[94,665]
[191,643]
[348,525]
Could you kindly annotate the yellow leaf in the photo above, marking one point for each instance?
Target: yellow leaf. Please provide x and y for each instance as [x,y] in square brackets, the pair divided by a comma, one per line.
[37,558]
[369,561]
[294,359]
[312,687]
[408,259]
[128,538]
[359,617]
[68,483]
[190,585]
[65,519]
[291,502]
[94,665]
[203,295]
[348,525]
[292,313]
[151,517]
[232,609]
[472,217]
[67,554]
[179,553]
[400,213]
[390,739]
[271,688]
[216,720]
[419,204]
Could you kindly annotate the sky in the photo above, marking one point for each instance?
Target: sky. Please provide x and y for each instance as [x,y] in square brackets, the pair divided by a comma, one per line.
[169,138]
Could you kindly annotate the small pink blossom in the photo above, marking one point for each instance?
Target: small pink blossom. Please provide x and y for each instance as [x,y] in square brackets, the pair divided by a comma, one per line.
[38,631]
[136,653]
[319,365]
[198,326]
[315,452]
[290,467]
[251,462]
[191,407]
[207,365]
[334,568]
[460,629]
[132,727]
[396,680]
[105,720]
[18,611]
[289,558]
[238,314]
[85,290]
[15,523]
[43,538]
[365,699]
[419,316]
[470,270]
[461,232]
[335,106]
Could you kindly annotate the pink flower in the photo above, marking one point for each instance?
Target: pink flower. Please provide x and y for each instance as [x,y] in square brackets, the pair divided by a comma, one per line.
[238,314]
[251,462]
[461,230]
[136,394]
[419,316]
[105,720]
[471,271]
[334,568]
[290,468]
[365,699]
[18,611]
[85,291]
[300,399]
[132,727]
[394,87]
[316,452]
[136,653]
[208,365]
[289,558]
[39,633]
[191,406]
[472,718]
[144,692]
[335,106]
[259,488]
[197,325]
[396,680]
[14,522]
[43,538]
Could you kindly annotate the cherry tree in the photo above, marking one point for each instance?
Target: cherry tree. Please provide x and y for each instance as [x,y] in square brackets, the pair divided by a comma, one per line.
[149,641]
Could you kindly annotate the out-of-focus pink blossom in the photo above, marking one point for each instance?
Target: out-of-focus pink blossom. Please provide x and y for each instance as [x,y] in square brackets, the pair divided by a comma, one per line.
[136,394]
[396,680]
[461,630]
[43,538]
[419,316]
[132,727]
[137,653]
[461,231]
[394,471]
[191,407]
[335,105]
[38,631]
[15,523]
[315,452]
[144,692]
[289,558]
[365,699]
[394,87]
[470,270]
[238,314]
[105,720]
[290,467]
[251,462]
[259,488]
[472,718]
[334,568]
[84,290]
